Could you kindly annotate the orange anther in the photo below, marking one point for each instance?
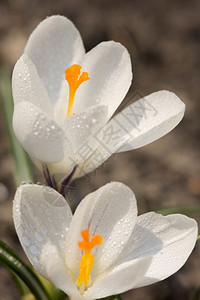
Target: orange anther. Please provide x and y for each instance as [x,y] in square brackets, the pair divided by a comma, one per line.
[74,78]
[87,259]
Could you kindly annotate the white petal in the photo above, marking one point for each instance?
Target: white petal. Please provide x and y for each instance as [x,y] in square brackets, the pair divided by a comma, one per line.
[139,124]
[27,85]
[95,160]
[55,270]
[80,140]
[111,212]
[82,129]
[41,216]
[109,68]
[148,119]
[169,239]
[38,133]
[53,46]
[122,278]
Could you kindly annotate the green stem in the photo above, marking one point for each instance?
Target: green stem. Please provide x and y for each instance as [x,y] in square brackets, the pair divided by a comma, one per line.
[23,170]
[12,262]
[24,290]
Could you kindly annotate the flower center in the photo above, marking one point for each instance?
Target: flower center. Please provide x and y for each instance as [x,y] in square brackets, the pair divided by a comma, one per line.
[87,259]
[74,78]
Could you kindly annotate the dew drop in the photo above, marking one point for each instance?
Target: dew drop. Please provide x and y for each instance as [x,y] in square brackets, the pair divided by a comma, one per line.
[38,237]
[44,230]
[26,241]
[34,249]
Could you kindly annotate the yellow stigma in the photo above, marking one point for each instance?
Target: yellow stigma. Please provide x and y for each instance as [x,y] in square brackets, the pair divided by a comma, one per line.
[87,259]
[74,78]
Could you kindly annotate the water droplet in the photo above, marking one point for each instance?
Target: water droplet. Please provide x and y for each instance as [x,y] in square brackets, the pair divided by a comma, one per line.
[26,241]
[34,249]
[43,229]
[38,237]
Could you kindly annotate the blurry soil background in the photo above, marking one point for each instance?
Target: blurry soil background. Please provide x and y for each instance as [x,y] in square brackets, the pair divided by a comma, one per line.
[163,38]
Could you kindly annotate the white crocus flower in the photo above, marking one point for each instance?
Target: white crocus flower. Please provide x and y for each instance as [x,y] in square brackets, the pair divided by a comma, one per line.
[62,117]
[104,248]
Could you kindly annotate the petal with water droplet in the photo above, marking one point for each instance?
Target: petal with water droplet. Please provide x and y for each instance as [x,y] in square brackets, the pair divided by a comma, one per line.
[38,133]
[169,239]
[109,68]
[53,46]
[41,215]
[28,86]
[109,211]
[139,124]
[120,279]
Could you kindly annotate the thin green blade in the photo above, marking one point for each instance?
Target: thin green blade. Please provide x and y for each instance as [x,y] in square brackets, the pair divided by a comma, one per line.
[189,210]
[22,164]
[11,261]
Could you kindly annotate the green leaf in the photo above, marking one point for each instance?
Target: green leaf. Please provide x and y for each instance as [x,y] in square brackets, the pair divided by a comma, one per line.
[24,290]
[12,262]
[190,210]
[23,170]
[59,295]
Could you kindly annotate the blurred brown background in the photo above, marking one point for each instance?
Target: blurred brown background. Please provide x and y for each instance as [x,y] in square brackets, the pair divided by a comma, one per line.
[163,38]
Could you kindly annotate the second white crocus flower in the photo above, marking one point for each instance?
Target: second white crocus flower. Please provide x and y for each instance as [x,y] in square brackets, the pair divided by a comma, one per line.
[104,248]
[64,100]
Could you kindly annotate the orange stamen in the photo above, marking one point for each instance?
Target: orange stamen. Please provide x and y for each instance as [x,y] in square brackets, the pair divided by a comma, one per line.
[74,78]
[87,259]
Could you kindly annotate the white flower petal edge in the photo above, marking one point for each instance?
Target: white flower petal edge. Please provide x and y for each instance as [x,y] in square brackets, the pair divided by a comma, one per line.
[148,246]
[170,240]
[36,209]
[152,117]
[141,123]
[175,251]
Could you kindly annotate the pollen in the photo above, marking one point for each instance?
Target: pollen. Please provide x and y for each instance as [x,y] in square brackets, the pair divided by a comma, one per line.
[74,78]
[87,259]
